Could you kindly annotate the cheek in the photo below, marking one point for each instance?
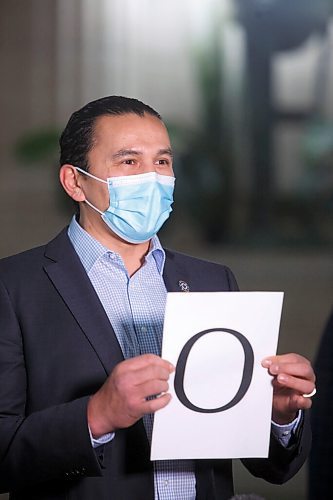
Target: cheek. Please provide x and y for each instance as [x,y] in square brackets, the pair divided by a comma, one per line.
[98,196]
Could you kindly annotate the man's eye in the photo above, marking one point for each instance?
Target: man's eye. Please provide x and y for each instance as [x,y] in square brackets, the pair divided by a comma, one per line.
[163,162]
[129,162]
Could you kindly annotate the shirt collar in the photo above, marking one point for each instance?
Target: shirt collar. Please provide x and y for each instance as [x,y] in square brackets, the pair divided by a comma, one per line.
[90,250]
[158,253]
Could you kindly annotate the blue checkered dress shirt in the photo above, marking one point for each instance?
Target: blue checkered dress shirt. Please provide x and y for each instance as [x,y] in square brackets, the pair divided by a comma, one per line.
[135,307]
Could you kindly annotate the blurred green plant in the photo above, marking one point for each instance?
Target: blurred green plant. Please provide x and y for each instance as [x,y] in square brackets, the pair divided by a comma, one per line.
[317,152]
[306,216]
[37,147]
[203,153]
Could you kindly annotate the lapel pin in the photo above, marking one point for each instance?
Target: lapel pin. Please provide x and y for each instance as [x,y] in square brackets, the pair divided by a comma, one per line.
[183,286]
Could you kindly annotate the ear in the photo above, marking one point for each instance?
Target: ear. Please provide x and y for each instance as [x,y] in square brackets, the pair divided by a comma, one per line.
[71,182]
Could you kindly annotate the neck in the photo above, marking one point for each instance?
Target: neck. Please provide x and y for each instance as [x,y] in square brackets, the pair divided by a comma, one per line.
[132,254]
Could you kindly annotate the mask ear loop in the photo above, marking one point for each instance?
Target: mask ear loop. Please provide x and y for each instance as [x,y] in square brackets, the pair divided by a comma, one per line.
[90,175]
[93,206]
[96,179]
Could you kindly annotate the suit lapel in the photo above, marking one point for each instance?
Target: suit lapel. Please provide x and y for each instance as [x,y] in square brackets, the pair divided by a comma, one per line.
[174,275]
[68,276]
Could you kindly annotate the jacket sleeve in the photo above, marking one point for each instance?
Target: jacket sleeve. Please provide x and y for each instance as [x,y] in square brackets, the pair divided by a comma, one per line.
[50,443]
[283,462]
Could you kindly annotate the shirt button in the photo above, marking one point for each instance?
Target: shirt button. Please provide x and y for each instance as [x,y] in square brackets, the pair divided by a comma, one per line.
[285,433]
[166,482]
[143,329]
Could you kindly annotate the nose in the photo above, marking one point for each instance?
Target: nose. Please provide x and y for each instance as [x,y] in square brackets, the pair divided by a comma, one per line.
[149,167]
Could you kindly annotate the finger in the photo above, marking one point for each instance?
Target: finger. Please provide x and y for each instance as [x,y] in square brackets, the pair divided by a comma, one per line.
[137,370]
[153,405]
[145,360]
[296,384]
[137,408]
[145,375]
[285,358]
[152,389]
[286,405]
[299,402]
[292,364]
[310,394]
[300,370]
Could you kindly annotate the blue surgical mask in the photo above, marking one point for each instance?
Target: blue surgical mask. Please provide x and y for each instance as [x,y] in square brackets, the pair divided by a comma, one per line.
[139,204]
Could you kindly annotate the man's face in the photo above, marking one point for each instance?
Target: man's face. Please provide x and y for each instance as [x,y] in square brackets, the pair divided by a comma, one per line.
[125,145]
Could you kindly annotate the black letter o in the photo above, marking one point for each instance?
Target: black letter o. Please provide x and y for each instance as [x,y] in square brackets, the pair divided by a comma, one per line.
[246,377]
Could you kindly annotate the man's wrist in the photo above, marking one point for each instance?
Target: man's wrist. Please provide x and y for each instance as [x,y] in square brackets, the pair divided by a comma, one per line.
[96,423]
[106,438]
[284,432]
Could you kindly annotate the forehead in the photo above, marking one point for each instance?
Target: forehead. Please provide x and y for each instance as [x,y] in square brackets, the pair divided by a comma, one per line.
[130,130]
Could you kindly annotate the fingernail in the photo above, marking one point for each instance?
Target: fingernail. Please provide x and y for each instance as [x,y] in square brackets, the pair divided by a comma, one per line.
[266,362]
[282,378]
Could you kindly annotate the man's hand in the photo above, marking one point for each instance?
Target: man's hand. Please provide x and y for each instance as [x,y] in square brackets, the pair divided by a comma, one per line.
[293,377]
[123,398]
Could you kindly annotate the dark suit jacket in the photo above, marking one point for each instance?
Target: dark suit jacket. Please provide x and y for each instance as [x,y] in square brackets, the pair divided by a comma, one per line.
[320,464]
[56,348]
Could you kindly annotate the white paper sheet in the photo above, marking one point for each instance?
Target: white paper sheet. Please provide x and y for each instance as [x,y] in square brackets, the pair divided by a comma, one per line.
[213,373]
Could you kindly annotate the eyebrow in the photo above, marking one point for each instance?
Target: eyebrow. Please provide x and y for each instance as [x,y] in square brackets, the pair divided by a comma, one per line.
[166,151]
[128,152]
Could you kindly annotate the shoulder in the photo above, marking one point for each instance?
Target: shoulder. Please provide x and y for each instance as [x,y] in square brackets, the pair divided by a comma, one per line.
[179,258]
[201,273]
[22,259]
[28,261]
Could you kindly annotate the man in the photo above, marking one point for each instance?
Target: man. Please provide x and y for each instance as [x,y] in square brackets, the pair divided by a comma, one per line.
[81,326]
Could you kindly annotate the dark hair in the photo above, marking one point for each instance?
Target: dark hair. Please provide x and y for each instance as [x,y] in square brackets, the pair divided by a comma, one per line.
[78,135]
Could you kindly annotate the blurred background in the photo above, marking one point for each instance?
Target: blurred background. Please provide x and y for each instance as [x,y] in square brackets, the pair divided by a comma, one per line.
[246,89]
